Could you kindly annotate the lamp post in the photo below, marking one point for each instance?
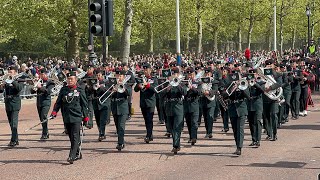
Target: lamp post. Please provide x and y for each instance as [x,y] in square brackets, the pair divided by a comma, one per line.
[308,13]
[178,33]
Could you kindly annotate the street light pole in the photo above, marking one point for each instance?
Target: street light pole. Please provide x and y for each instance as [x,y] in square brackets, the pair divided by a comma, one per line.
[178,33]
[90,46]
[275,26]
[308,13]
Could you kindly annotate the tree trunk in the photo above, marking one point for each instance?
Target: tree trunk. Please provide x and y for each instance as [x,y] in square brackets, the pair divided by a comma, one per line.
[126,33]
[293,37]
[187,41]
[199,30]
[150,37]
[215,40]
[239,46]
[73,35]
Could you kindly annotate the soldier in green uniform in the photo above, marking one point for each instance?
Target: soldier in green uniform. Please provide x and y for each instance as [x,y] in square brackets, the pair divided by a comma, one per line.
[119,107]
[224,112]
[255,107]
[191,106]
[237,109]
[73,103]
[270,106]
[147,99]
[43,90]
[174,109]
[12,102]
[89,93]
[101,109]
[208,105]
[159,99]
[296,90]
[217,75]
[130,83]
[286,86]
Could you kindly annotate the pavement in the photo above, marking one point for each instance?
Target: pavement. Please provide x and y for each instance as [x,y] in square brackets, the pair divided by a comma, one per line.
[296,154]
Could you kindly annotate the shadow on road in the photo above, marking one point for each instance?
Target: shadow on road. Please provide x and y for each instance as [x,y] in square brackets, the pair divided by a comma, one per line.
[280,164]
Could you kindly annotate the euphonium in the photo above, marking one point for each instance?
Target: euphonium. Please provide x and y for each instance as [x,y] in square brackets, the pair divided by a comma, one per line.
[269,81]
[207,87]
[243,84]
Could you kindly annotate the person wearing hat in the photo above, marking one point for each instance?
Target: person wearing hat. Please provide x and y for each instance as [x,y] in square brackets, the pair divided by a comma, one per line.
[296,90]
[147,99]
[43,89]
[119,107]
[217,75]
[174,109]
[199,74]
[255,107]
[237,110]
[307,78]
[224,112]
[208,106]
[89,92]
[101,109]
[12,100]
[287,92]
[270,106]
[130,84]
[73,103]
[191,105]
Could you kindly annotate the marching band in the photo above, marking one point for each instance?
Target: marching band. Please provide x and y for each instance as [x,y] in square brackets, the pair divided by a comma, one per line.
[263,92]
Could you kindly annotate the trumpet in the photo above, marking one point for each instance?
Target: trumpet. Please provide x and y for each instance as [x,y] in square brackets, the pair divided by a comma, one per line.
[35,87]
[119,87]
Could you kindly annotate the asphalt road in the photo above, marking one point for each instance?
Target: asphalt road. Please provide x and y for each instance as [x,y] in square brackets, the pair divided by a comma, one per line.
[296,154]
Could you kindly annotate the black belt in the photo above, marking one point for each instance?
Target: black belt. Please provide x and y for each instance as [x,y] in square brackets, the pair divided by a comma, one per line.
[255,97]
[173,99]
[191,98]
[10,96]
[238,100]
[118,99]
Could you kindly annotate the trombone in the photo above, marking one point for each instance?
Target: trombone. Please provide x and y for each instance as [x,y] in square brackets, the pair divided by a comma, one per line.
[170,83]
[119,87]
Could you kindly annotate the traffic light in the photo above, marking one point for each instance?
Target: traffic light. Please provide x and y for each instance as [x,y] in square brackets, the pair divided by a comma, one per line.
[102,17]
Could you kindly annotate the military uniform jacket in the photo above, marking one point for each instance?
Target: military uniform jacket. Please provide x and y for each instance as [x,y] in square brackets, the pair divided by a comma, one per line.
[237,105]
[256,102]
[173,100]
[286,86]
[148,94]
[44,94]
[191,99]
[73,104]
[297,77]
[119,102]
[104,86]
[12,98]
[88,89]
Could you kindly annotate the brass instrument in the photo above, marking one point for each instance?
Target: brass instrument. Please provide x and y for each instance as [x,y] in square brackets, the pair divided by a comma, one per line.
[35,86]
[199,76]
[207,87]
[221,101]
[119,87]
[243,84]
[8,78]
[174,82]
[81,73]
[277,94]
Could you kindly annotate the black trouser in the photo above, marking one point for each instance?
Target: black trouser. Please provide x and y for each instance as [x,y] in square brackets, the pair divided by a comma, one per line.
[159,109]
[13,121]
[148,120]
[90,106]
[225,118]
[101,119]
[43,115]
[270,116]
[120,122]
[175,124]
[303,99]
[216,110]
[192,123]
[255,124]
[286,106]
[208,114]
[237,124]
[295,104]
[281,112]
[74,137]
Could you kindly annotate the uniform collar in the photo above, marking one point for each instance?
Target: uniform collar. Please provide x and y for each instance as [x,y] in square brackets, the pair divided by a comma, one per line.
[72,87]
